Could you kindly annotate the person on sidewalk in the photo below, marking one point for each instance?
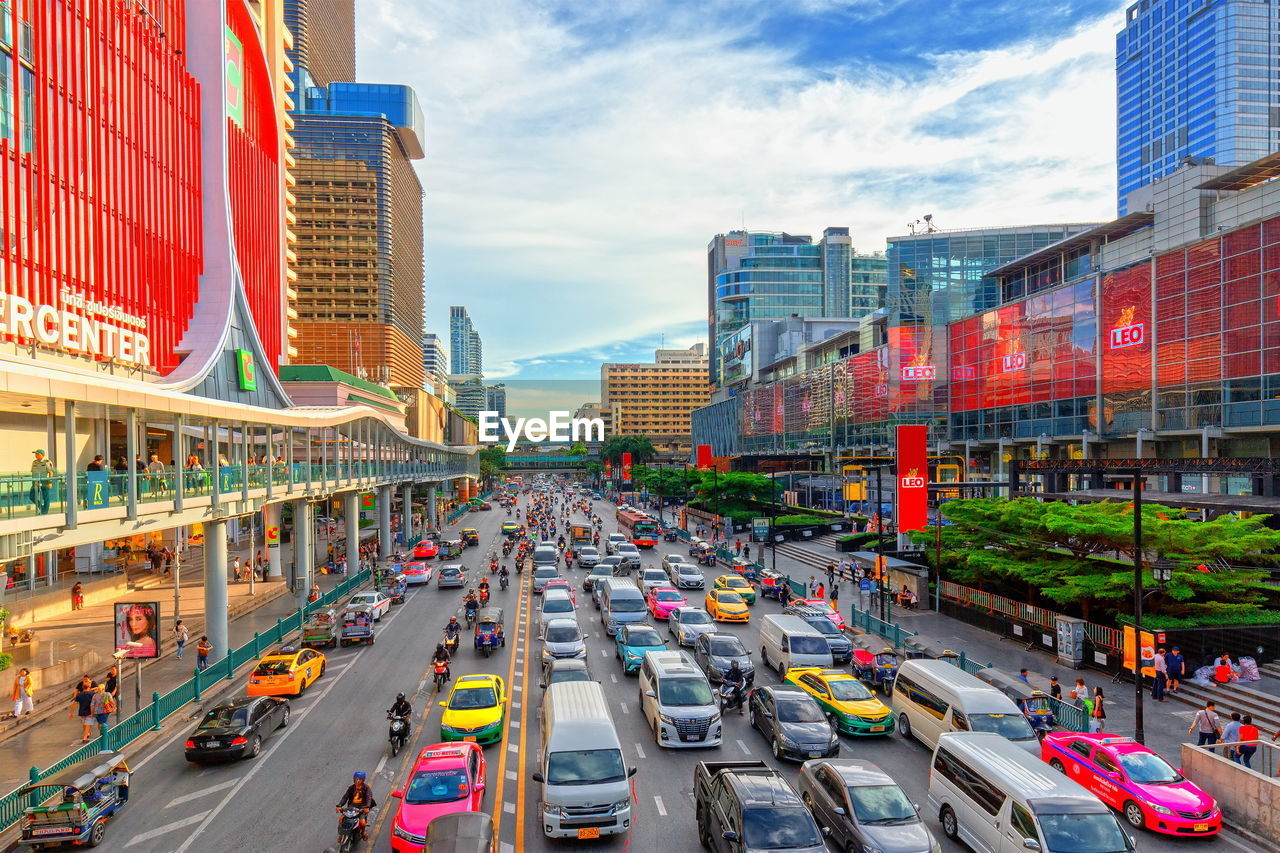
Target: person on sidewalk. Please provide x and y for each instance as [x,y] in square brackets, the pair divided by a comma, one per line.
[235,568]
[1248,737]
[77,596]
[1206,726]
[24,694]
[112,686]
[813,586]
[168,562]
[1162,676]
[42,473]
[746,551]
[1098,716]
[1055,689]
[1176,665]
[1080,692]
[102,706]
[821,591]
[1025,675]
[82,706]
[835,595]
[182,635]
[1230,735]
[203,649]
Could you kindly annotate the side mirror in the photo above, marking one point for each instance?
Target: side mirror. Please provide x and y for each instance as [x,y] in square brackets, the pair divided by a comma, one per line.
[542,684]
[631,771]
[839,810]
[480,785]
[1031,844]
[442,704]
[768,715]
[826,830]
[729,835]
[537,777]
[399,793]
[650,694]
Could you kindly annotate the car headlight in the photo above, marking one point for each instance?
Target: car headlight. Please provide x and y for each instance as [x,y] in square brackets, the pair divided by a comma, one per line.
[632,655]
[1159,808]
[668,719]
[553,811]
[621,804]
[406,835]
[715,718]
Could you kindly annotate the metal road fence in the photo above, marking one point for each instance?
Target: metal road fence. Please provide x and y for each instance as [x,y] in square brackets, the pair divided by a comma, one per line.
[1111,639]
[151,717]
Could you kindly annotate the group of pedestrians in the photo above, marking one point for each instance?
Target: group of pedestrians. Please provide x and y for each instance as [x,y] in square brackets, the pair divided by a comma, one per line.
[1239,737]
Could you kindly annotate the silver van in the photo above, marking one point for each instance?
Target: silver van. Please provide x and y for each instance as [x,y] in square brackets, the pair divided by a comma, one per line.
[584,778]
[619,603]
[932,697]
[993,796]
[677,701]
[789,641]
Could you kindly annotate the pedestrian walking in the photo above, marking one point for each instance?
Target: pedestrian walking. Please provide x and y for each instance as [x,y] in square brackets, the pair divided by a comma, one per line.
[102,706]
[746,550]
[77,596]
[1025,675]
[42,473]
[235,568]
[784,598]
[82,706]
[24,694]
[112,685]
[1098,711]
[1176,665]
[1248,738]
[203,649]
[813,586]
[737,547]
[1055,689]
[820,592]
[1230,735]
[182,635]
[831,572]
[1206,726]
[168,562]
[1161,679]
[835,595]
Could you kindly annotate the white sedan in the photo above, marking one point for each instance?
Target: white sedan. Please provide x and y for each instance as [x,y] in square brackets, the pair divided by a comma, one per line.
[378,602]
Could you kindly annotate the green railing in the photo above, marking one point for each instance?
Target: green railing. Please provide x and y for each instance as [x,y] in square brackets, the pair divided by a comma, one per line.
[150,717]
[893,632]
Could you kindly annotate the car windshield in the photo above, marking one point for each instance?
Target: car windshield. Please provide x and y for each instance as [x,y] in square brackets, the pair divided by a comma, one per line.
[667,595]
[437,786]
[644,637]
[736,583]
[470,698]
[225,716]
[727,647]
[1094,832]
[821,607]
[779,829]
[684,691]
[823,625]
[849,691]
[1011,726]
[557,605]
[695,617]
[273,667]
[729,598]
[544,573]
[688,569]
[799,711]
[585,767]
[627,605]
[1147,768]
[563,634]
[559,675]
[809,646]
[881,804]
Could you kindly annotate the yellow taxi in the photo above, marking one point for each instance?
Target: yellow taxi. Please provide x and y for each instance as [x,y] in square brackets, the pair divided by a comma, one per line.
[476,710]
[469,536]
[727,606]
[845,700]
[286,672]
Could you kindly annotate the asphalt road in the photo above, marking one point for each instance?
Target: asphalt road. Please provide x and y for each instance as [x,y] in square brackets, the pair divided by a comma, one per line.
[284,800]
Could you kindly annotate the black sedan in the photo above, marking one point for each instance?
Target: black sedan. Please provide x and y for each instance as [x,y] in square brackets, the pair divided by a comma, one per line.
[792,722]
[715,652]
[236,728]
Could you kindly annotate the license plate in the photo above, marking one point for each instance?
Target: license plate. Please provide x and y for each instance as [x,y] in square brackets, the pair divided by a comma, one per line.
[470,738]
[1200,827]
[589,832]
[694,738]
[815,754]
[213,744]
[57,830]
[877,728]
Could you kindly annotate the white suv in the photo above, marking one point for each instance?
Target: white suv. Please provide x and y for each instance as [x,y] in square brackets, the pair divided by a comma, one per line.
[615,539]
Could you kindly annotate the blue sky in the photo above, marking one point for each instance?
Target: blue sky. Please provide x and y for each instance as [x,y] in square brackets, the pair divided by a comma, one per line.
[581,155]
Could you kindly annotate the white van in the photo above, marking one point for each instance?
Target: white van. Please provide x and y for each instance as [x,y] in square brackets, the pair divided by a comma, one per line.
[932,696]
[789,641]
[993,796]
[677,701]
[584,778]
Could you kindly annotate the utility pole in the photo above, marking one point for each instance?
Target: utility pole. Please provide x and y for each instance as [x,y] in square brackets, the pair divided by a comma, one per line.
[883,574]
[1139,733]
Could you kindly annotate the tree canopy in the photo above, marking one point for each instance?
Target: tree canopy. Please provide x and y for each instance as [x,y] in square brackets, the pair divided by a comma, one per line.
[493,458]
[639,446]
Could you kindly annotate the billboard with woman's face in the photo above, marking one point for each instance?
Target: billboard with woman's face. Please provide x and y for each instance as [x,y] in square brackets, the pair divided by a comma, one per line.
[137,622]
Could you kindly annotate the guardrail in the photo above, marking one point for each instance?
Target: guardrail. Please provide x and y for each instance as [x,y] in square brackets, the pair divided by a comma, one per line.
[151,716]
[1110,639]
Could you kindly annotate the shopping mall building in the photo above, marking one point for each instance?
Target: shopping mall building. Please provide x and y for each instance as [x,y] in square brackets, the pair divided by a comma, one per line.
[1155,335]
[145,307]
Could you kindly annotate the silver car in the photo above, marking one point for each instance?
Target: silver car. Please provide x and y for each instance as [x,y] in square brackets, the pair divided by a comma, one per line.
[687,623]
[587,556]
[615,539]
[863,806]
[629,553]
[556,604]
[543,574]
[451,576]
[562,640]
[650,578]
[686,575]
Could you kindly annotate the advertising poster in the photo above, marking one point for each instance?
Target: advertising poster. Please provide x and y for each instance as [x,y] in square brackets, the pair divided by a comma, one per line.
[1148,651]
[626,469]
[913,477]
[137,629]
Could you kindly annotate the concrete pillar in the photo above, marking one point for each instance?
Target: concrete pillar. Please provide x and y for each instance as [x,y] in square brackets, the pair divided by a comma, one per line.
[386,546]
[431,507]
[72,502]
[406,522]
[215,587]
[303,559]
[271,519]
[131,451]
[179,463]
[351,511]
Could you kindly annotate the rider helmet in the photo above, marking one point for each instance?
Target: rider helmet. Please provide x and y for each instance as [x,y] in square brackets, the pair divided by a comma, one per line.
[399,697]
[359,776]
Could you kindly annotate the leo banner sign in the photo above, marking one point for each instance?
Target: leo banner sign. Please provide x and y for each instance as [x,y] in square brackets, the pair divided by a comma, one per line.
[626,468]
[912,505]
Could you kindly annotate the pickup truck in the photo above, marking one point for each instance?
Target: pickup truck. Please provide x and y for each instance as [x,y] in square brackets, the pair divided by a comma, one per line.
[745,806]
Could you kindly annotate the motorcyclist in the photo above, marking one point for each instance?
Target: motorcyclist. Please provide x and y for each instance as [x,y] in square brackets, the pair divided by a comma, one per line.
[471,604]
[453,630]
[442,656]
[732,682]
[401,707]
[503,575]
[359,795]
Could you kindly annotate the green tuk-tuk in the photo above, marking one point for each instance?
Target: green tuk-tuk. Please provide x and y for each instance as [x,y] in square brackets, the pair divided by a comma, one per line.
[79,801]
[320,629]
[450,549]
[394,586]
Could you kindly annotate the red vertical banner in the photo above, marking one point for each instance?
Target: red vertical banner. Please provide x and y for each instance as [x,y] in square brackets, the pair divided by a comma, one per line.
[912,504]
[704,456]
[626,468]
[608,468]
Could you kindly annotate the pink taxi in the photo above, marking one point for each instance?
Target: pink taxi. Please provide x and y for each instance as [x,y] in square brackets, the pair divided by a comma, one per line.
[445,778]
[661,600]
[417,571]
[822,606]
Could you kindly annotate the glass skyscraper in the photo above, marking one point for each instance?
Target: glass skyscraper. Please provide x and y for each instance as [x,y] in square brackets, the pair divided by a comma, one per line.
[464,343]
[1195,78]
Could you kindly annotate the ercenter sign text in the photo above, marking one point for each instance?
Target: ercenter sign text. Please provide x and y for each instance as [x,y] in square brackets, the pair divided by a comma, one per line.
[81,327]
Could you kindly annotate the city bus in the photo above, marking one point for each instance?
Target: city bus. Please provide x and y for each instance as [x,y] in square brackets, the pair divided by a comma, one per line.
[639,528]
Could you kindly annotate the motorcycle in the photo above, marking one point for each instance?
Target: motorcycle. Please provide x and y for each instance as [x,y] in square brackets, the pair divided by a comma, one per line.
[442,672]
[398,734]
[484,596]
[349,829]
[731,697]
[502,581]
[471,619]
[451,644]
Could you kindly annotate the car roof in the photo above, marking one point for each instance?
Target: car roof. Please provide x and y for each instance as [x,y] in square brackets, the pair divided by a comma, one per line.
[760,789]
[478,680]
[827,674]
[857,771]
[556,592]
[786,690]
[446,754]
[563,620]
[567,663]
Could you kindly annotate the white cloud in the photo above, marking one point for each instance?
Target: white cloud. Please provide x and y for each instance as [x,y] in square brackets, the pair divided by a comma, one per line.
[572,186]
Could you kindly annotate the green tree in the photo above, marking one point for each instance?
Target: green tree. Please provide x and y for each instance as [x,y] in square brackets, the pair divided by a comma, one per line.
[639,446]
[734,487]
[577,449]
[493,459]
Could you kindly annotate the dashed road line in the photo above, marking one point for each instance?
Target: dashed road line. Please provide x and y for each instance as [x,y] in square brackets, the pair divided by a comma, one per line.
[662,810]
[623,706]
[203,792]
[742,746]
[640,750]
[164,830]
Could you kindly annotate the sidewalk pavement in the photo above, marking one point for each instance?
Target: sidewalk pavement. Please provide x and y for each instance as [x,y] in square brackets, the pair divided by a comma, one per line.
[1165,724]
[47,735]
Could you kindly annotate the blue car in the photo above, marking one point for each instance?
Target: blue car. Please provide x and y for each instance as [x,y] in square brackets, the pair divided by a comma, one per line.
[633,641]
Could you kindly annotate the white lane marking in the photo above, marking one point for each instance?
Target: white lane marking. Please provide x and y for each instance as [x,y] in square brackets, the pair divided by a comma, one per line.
[516,688]
[513,747]
[167,828]
[511,776]
[186,798]
[515,724]
[662,810]
[509,808]
[382,762]
[604,652]
[742,746]
[515,703]
[640,750]
[614,676]
[623,705]
[504,847]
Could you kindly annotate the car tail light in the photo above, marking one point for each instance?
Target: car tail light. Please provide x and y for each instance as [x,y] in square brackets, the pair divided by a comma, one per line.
[191,744]
[240,741]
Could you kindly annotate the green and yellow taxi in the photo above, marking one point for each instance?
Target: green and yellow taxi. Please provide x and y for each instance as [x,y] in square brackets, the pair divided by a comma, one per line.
[738,584]
[476,710]
[511,528]
[844,699]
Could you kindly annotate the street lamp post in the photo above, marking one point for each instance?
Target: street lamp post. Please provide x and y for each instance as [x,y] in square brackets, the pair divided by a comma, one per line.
[1139,734]
[882,580]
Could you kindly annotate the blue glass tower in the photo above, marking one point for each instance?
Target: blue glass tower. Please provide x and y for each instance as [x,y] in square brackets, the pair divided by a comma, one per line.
[1195,78]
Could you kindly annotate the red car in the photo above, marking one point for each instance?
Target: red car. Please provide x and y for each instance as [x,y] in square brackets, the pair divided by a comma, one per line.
[425,550]
[824,608]
[661,600]
[1134,781]
[445,778]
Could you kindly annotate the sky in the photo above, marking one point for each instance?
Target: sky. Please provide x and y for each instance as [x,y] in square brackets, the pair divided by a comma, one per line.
[581,155]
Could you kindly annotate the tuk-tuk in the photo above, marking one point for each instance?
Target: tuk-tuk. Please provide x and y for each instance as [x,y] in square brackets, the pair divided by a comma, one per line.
[876,668]
[461,832]
[357,625]
[320,629]
[670,534]
[1033,703]
[395,586]
[918,647]
[695,547]
[771,584]
[470,536]
[489,630]
[84,798]
[450,549]
[746,568]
